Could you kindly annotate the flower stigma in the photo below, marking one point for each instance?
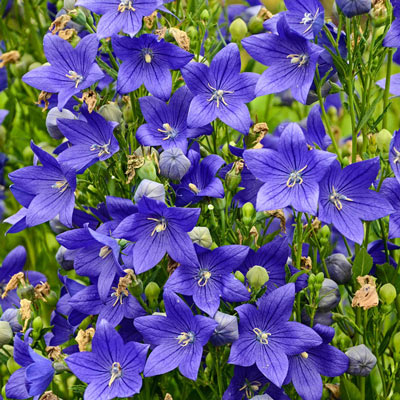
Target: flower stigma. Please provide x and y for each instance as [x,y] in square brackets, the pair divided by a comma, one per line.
[125,5]
[194,188]
[295,177]
[116,372]
[61,186]
[336,198]
[309,19]
[251,388]
[102,149]
[147,54]
[204,277]
[169,131]
[185,338]
[396,159]
[160,227]
[218,95]
[75,77]
[301,59]
[262,336]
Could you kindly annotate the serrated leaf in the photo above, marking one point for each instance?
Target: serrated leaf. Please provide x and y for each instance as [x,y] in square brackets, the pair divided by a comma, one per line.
[362,263]
[348,390]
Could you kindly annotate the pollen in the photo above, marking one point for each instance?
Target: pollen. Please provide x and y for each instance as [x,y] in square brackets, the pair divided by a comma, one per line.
[194,188]
[104,252]
[147,58]
[218,95]
[116,372]
[125,5]
[185,338]
[75,77]
[261,336]
[61,186]
[295,178]
[204,276]
[300,59]
[336,198]
[304,355]
[161,225]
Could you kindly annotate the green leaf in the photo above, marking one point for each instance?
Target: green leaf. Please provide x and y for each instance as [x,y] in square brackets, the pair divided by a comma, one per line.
[348,390]
[296,276]
[368,114]
[386,340]
[362,263]
[385,273]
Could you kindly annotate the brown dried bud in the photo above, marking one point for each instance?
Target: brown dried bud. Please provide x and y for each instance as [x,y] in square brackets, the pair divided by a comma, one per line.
[59,23]
[161,32]
[49,396]
[41,291]
[134,162]
[44,96]
[315,225]
[366,297]
[149,21]
[13,283]
[90,98]
[123,284]
[83,338]
[25,312]
[54,352]
[306,263]
[181,38]
[10,57]
[265,14]
[261,127]
[280,215]
[67,34]
[168,397]
[172,265]
[255,234]
[334,389]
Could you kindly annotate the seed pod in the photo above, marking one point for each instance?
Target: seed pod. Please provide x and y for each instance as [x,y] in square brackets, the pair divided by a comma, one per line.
[361,360]
[329,295]
[51,121]
[226,331]
[339,268]
[151,189]
[174,164]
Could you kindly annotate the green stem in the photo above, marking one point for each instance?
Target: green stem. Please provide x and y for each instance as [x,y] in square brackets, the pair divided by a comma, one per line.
[299,229]
[387,88]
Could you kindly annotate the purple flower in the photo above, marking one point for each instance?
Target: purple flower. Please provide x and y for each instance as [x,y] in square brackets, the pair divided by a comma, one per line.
[272,256]
[291,59]
[345,199]
[351,8]
[315,133]
[227,330]
[394,154]
[112,369]
[97,256]
[120,15]
[91,140]
[174,164]
[306,18]
[212,278]
[35,374]
[167,123]
[71,69]
[305,369]
[178,338]
[45,191]
[391,190]
[158,229]
[392,38]
[290,174]
[266,338]
[200,180]
[147,60]
[220,91]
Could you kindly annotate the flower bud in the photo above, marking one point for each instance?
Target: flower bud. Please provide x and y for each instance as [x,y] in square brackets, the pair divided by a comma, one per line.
[257,276]
[323,318]
[238,29]
[37,324]
[12,366]
[147,171]
[201,236]
[226,331]
[137,287]
[64,257]
[233,178]
[219,204]
[111,112]
[151,189]
[396,342]
[192,33]
[51,121]
[388,293]
[239,276]
[248,213]
[329,295]
[339,268]
[351,8]
[152,292]
[26,292]
[6,333]
[174,164]
[51,299]
[361,360]
[210,361]
[69,4]
[255,24]
[78,16]
[11,316]
[205,15]
[383,139]
[324,232]
[56,226]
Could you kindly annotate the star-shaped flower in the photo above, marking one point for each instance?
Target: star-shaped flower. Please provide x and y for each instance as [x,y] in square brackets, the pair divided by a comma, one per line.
[220,91]
[71,69]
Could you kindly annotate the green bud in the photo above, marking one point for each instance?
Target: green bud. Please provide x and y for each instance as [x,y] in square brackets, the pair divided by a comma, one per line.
[12,366]
[26,292]
[257,276]
[248,213]
[210,361]
[383,139]
[387,293]
[233,178]
[238,29]
[34,66]
[311,281]
[192,33]
[127,113]
[396,342]
[325,232]
[239,276]
[147,171]
[137,288]
[205,15]
[255,24]
[319,278]
[78,16]
[372,145]
[219,204]
[345,161]
[111,112]
[52,299]
[162,305]
[397,304]
[6,333]
[37,324]
[386,308]
[152,291]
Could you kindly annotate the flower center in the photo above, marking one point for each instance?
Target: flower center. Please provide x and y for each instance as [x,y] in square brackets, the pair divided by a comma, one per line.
[161,225]
[396,159]
[125,5]
[304,355]
[218,95]
[185,338]
[116,372]
[75,77]
[194,188]
[104,252]
[61,186]
[251,388]
[295,177]
[102,149]
[309,19]
[301,59]
[169,131]
[261,336]
[336,198]
[147,54]
[203,277]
